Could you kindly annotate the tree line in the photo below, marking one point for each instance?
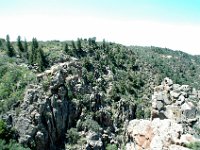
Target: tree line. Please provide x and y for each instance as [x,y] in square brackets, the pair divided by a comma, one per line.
[34,55]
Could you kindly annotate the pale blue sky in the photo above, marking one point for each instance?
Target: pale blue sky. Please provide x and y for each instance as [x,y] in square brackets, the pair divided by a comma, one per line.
[171,23]
[163,10]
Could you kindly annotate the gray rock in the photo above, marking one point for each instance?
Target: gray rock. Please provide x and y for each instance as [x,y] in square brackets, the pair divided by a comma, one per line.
[178,103]
[167,82]
[185,88]
[159,105]
[176,88]
[189,111]
[174,94]
[58,80]
[156,134]
[94,141]
[44,117]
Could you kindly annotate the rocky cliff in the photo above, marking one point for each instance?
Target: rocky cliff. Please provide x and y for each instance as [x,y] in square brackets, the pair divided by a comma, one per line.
[50,109]
[46,111]
[98,95]
[174,121]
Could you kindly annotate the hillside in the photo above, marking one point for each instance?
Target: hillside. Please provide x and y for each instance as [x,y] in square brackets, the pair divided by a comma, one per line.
[85,94]
[179,66]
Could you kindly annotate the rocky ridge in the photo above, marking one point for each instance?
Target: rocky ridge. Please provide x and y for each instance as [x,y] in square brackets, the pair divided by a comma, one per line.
[174,119]
[47,112]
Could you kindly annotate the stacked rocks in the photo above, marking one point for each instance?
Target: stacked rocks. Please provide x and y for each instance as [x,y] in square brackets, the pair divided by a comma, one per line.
[174,117]
[175,102]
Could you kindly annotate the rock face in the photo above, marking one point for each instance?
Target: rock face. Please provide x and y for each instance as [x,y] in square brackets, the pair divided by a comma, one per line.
[156,134]
[174,117]
[176,102]
[45,115]
[42,120]
[48,111]
[94,141]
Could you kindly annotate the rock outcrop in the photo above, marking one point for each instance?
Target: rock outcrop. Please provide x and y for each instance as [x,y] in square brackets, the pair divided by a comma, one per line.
[46,111]
[156,134]
[93,141]
[175,115]
[176,102]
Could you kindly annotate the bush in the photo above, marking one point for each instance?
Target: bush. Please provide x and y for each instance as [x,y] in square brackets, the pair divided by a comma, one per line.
[194,146]
[5,132]
[13,81]
[46,83]
[12,145]
[111,147]
[73,136]
[90,124]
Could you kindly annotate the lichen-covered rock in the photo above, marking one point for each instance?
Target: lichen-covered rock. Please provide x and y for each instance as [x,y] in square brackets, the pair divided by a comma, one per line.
[176,102]
[174,117]
[94,141]
[156,135]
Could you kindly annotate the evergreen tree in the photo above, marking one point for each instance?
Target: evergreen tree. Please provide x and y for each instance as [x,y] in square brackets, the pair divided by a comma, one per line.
[104,43]
[90,41]
[73,51]
[19,44]
[40,60]
[33,52]
[26,49]
[10,49]
[1,44]
[66,49]
[25,46]
[73,45]
[79,51]
[79,44]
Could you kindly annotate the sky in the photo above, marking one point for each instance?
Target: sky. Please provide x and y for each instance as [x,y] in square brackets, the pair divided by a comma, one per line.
[173,24]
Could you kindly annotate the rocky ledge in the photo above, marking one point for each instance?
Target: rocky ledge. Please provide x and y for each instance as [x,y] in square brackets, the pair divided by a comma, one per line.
[174,121]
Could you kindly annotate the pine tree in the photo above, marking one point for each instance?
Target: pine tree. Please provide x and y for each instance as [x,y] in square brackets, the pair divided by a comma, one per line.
[73,45]
[79,44]
[66,49]
[79,51]
[1,44]
[19,44]
[10,49]
[33,52]
[40,60]
[72,52]
[90,41]
[25,46]
[26,49]
[35,43]
[104,43]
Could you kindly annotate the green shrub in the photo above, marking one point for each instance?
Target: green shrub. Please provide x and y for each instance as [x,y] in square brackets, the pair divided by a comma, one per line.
[111,147]
[90,124]
[73,136]
[46,83]
[12,145]
[13,81]
[5,132]
[194,146]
